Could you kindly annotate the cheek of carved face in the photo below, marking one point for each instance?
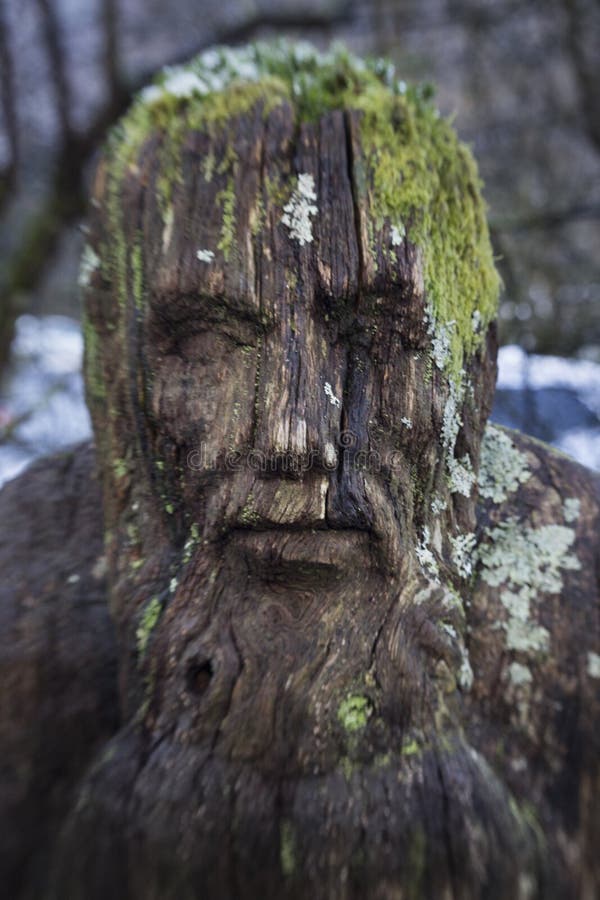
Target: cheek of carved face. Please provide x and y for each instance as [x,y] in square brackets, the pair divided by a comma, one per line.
[203,391]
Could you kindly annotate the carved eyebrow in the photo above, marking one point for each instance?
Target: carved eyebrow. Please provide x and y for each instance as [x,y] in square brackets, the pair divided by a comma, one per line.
[178,308]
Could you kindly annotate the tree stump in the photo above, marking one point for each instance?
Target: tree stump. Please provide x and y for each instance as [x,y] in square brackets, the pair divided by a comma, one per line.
[339,676]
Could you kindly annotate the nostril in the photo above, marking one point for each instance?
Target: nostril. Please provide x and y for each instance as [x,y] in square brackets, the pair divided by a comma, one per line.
[198,677]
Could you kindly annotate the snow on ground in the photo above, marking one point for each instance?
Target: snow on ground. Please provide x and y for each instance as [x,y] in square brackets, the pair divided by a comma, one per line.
[554,399]
[42,407]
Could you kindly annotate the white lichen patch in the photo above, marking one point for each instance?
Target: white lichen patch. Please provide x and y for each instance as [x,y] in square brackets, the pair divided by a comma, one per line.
[465,673]
[452,421]
[441,343]
[300,208]
[522,633]
[593,665]
[205,256]
[461,476]
[330,457]
[502,467]
[438,505]
[519,675]
[397,234]
[406,422]
[476,321]
[527,562]
[181,82]
[167,233]
[335,401]
[90,261]
[151,93]
[462,553]
[571,509]
[425,556]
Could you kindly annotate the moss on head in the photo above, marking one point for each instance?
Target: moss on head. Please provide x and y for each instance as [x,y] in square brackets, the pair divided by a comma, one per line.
[422,182]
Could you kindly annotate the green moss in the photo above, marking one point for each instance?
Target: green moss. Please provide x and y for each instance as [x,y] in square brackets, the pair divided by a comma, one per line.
[287,844]
[226,198]
[137,274]
[191,543]
[249,515]
[411,748]
[354,712]
[94,377]
[119,468]
[148,622]
[416,862]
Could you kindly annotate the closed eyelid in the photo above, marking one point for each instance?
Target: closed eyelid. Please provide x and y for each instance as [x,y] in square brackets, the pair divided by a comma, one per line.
[193,311]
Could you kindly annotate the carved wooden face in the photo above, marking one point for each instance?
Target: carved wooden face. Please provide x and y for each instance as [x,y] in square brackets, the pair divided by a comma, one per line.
[269,355]
[287,414]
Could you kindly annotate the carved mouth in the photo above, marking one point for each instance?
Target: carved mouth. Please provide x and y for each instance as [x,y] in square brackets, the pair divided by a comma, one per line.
[296,556]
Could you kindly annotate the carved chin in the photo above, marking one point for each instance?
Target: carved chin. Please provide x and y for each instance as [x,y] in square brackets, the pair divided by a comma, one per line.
[177,822]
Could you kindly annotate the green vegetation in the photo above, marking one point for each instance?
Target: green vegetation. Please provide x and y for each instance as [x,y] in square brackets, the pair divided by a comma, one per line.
[354,712]
[148,622]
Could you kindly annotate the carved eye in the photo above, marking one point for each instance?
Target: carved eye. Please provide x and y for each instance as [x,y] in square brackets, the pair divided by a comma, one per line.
[198,676]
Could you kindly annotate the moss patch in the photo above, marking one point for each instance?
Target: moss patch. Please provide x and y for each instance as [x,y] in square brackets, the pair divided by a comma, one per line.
[354,712]
[287,852]
[148,622]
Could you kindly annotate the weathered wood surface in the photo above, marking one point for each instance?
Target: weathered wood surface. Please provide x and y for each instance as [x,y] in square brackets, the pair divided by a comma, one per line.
[317,696]
[58,684]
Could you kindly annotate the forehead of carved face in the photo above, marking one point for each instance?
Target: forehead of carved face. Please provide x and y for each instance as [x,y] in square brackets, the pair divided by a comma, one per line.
[290,282]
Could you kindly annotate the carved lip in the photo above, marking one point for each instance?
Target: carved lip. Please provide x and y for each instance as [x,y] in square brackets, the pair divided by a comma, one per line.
[310,552]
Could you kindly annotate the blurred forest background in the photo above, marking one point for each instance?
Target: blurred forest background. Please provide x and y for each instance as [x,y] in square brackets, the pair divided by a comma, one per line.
[520,78]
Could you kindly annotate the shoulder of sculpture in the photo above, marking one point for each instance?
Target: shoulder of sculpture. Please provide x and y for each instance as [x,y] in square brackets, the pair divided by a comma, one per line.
[536,602]
[51,543]
[58,696]
[526,478]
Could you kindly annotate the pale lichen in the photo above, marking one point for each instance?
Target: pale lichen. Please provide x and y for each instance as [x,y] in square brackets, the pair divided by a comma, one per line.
[438,505]
[571,509]
[527,562]
[502,466]
[465,673]
[462,553]
[397,234]
[593,665]
[452,421]
[300,208]
[461,476]
[335,401]
[205,256]
[90,262]
[441,340]
[425,556]
[519,675]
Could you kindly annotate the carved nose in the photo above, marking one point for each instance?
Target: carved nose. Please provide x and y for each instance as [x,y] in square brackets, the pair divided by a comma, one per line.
[299,395]
[347,504]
